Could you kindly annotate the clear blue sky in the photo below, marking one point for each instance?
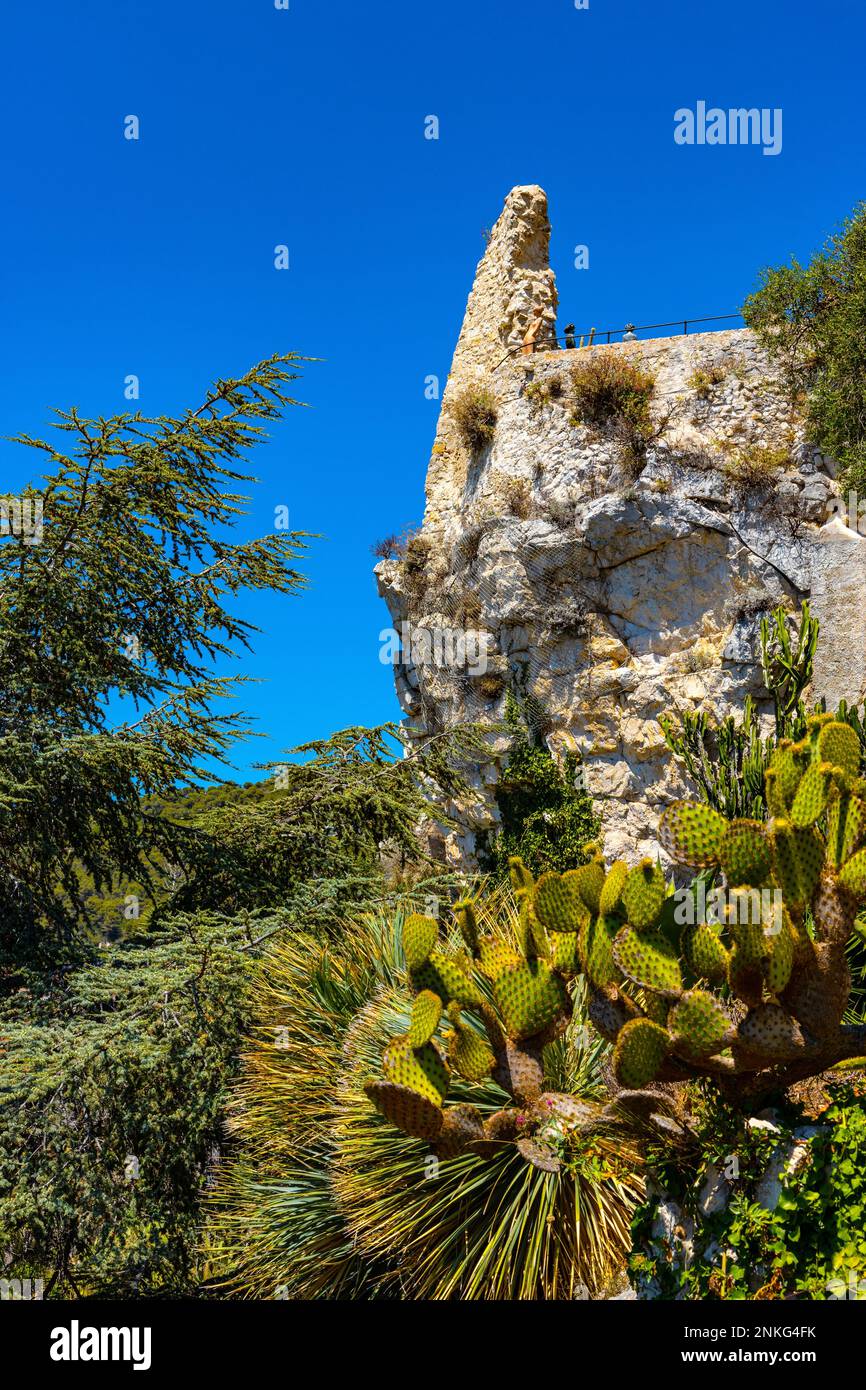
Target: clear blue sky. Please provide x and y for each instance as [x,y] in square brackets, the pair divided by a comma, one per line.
[261,126]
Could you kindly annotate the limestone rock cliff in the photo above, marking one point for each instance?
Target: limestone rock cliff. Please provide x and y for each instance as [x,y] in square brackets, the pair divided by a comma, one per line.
[610,591]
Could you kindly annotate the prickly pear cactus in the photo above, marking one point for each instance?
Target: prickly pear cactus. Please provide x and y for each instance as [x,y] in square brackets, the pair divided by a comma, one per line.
[747,985]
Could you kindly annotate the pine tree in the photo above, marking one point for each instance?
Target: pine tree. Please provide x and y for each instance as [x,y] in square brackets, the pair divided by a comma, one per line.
[125,595]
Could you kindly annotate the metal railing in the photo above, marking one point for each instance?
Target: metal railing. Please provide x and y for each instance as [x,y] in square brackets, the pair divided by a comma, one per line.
[591,337]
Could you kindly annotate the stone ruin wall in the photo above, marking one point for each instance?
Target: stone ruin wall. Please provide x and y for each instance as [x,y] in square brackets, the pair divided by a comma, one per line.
[612,598]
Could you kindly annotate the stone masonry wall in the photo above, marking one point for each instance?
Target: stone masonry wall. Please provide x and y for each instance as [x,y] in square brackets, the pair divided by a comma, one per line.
[610,594]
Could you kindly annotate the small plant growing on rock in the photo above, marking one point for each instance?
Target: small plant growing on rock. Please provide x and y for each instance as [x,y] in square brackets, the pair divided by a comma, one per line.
[518,497]
[415,562]
[544,392]
[565,619]
[703,379]
[545,811]
[609,389]
[389,548]
[701,656]
[467,547]
[475,415]
[563,512]
[756,466]
[490,685]
[613,394]
[468,610]
[632,457]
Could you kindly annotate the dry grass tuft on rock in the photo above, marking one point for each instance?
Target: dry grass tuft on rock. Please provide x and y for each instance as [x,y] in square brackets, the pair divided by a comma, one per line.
[703,379]
[543,392]
[518,497]
[757,466]
[613,395]
[475,415]
[609,389]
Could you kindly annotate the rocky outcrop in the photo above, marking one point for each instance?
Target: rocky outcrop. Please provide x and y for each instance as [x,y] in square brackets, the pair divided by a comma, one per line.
[611,591]
[512,306]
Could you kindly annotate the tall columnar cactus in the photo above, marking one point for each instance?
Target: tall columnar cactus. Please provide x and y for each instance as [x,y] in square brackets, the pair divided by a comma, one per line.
[750,991]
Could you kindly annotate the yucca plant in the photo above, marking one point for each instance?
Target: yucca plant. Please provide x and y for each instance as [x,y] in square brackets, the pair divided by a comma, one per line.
[275,1229]
[325,1198]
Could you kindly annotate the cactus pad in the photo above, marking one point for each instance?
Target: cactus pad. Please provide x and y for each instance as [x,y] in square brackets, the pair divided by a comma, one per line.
[706,955]
[565,956]
[798,857]
[539,1156]
[464,911]
[853,874]
[519,1069]
[773,797]
[649,960]
[531,933]
[444,976]
[698,1024]
[595,947]
[470,1054]
[770,1031]
[521,876]
[611,889]
[499,1128]
[838,744]
[655,1006]
[610,1011]
[780,961]
[588,880]
[406,1109]
[813,793]
[495,956]
[529,997]
[639,1053]
[557,903]
[644,892]
[786,765]
[746,963]
[426,1013]
[747,929]
[419,1069]
[420,935]
[809,848]
[746,855]
[836,902]
[462,1125]
[814,725]
[846,827]
[692,834]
